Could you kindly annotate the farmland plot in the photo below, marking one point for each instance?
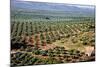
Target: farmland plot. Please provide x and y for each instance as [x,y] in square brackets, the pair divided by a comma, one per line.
[45,41]
[51,33]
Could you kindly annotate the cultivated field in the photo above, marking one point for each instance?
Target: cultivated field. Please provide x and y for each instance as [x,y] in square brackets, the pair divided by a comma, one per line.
[48,42]
[51,33]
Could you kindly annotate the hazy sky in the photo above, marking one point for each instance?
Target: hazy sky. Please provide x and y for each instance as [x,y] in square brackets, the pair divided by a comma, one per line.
[86,2]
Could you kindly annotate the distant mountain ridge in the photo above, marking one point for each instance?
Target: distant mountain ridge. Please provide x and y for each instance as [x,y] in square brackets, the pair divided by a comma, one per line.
[49,6]
[44,6]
